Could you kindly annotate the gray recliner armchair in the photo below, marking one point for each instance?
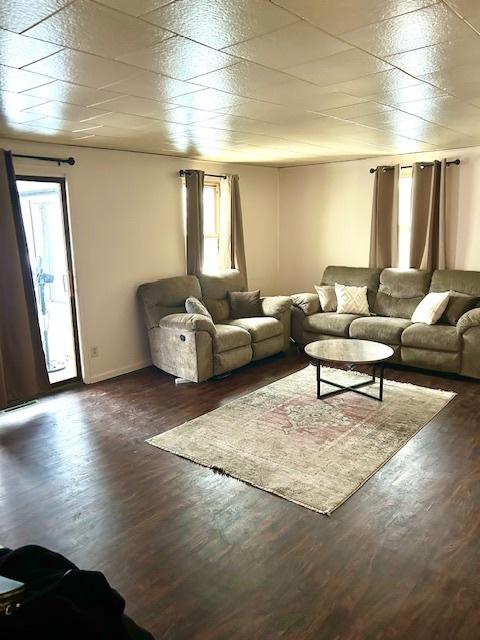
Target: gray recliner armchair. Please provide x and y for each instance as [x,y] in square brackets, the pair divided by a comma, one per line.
[196,348]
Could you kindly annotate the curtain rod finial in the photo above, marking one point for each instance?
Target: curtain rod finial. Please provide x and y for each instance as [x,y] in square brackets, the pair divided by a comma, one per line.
[372,170]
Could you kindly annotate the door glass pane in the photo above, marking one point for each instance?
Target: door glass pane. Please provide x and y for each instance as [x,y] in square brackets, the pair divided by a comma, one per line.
[209,211]
[42,213]
[210,255]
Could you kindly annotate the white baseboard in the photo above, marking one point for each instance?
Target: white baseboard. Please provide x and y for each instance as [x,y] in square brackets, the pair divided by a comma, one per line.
[113,373]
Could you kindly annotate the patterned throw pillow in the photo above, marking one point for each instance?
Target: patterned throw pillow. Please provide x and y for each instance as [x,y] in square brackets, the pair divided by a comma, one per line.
[352,300]
[327,297]
[194,305]
[430,309]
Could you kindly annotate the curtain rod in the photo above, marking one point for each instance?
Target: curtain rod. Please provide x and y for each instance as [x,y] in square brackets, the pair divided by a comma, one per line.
[46,158]
[183,172]
[424,164]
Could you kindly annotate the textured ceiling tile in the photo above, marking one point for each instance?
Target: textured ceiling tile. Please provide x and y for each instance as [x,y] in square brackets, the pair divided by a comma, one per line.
[66,111]
[466,8]
[12,105]
[420,28]
[18,15]
[179,58]
[340,67]
[439,56]
[242,78]
[137,106]
[185,115]
[18,51]
[407,94]
[267,112]
[19,80]
[303,95]
[208,100]
[359,109]
[93,28]
[463,82]
[337,16]
[82,68]
[72,93]
[448,112]
[220,24]
[292,45]
[150,85]
[135,7]
[377,83]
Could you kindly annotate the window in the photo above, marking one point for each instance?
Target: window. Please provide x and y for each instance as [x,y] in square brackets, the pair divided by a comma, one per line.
[211,227]
[404,217]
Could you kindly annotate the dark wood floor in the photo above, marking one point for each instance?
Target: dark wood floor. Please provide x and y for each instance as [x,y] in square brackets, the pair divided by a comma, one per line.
[202,556]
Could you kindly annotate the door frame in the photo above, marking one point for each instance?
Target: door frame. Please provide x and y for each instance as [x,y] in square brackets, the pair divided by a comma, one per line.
[68,250]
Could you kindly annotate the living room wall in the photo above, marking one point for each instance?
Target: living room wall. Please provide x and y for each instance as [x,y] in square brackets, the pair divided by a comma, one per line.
[325,212]
[127,228]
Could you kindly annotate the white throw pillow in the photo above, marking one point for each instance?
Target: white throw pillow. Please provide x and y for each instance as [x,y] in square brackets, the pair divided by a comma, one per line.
[327,297]
[352,300]
[431,308]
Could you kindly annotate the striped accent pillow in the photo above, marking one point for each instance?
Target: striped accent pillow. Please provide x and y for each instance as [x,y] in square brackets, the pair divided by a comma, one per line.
[352,300]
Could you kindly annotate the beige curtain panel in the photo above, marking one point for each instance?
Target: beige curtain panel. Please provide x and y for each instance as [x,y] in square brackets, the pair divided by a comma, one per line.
[237,244]
[194,181]
[427,245]
[384,228]
[23,372]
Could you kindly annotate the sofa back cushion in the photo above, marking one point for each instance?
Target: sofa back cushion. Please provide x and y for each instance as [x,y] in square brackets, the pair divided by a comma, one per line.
[215,289]
[401,291]
[467,282]
[354,277]
[166,296]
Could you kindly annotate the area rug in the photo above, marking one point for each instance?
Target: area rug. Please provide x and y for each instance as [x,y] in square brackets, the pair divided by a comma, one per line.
[316,453]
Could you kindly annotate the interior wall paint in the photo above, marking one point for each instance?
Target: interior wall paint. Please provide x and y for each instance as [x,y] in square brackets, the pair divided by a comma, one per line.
[325,214]
[127,228]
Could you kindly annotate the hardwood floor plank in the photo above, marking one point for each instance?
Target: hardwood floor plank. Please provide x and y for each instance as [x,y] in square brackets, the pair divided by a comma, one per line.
[202,556]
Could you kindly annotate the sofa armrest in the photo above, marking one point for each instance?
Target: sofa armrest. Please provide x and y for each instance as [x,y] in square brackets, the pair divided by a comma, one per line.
[275,306]
[468,320]
[309,303]
[188,322]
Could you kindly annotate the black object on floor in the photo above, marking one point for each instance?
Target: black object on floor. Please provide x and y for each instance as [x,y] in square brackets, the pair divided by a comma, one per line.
[62,601]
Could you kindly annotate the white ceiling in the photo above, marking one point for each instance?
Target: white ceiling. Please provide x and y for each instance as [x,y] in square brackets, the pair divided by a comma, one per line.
[278,83]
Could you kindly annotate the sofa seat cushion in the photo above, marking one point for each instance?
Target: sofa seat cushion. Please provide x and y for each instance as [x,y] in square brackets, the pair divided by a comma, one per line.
[333,324]
[379,329]
[230,337]
[437,337]
[259,328]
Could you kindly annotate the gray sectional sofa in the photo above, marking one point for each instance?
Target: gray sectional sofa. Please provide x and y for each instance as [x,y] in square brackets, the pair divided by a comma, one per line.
[393,295]
[195,347]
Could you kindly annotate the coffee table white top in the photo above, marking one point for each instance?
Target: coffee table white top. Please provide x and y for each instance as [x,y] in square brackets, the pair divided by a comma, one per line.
[348,350]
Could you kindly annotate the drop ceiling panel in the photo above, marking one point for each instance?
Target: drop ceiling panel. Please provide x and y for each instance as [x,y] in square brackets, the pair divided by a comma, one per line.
[18,15]
[220,24]
[179,58]
[338,16]
[97,29]
[267,82]
[72,93]
[280,49]
[428,26]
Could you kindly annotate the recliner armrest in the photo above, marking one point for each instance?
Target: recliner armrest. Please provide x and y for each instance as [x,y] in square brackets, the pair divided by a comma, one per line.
[274,306]
[309,303]
[188,322]
[469,319]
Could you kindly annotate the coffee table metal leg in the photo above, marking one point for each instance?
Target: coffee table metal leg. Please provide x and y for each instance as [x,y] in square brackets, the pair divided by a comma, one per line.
[318,379]
[381,382]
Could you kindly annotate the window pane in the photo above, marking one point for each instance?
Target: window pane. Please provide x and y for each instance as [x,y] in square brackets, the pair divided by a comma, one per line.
[210,255]
[209,213]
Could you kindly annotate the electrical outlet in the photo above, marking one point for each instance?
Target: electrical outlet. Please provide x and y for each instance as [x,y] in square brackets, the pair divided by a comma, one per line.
[94,351]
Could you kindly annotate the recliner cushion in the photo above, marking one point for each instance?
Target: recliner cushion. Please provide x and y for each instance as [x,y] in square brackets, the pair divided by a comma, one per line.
[230,337]
[331,323]
[259,328]
[379,329]
[437,337]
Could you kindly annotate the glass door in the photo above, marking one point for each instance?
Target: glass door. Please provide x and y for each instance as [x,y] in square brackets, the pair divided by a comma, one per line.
[45,219]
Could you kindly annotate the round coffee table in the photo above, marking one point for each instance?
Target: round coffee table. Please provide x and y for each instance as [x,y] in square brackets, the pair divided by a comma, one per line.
[349,352]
